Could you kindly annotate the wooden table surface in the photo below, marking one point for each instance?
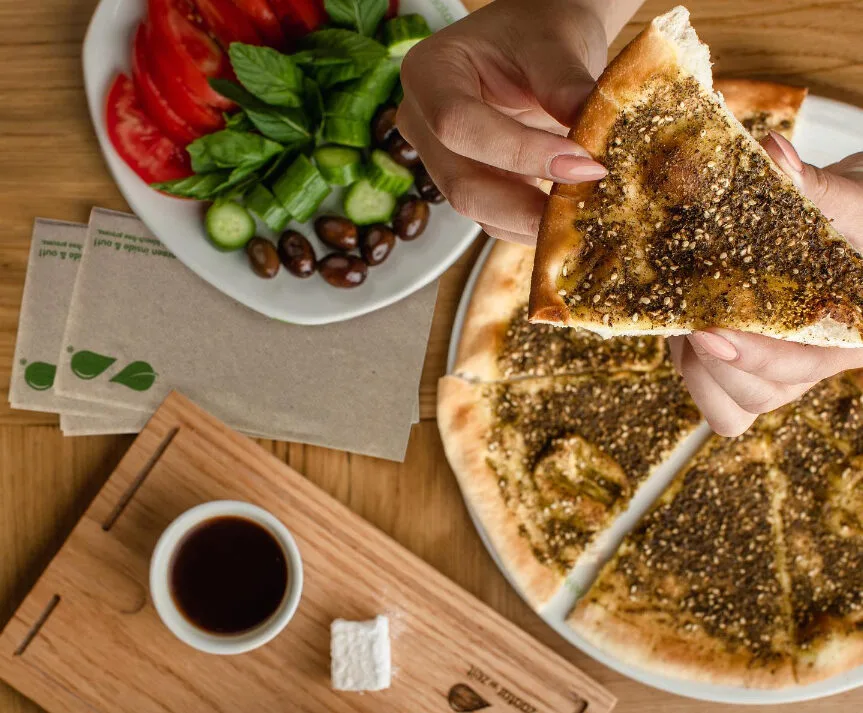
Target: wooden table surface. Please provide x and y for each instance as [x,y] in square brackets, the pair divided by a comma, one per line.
[51,167]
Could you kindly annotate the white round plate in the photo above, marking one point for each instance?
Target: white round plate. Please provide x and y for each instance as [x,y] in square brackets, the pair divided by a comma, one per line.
[826,132]
[179,223]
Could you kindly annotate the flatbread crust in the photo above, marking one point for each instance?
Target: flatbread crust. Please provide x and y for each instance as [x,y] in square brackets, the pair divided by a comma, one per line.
[499,302]
[579,279]
[762,106]
[664,626]
[465,419]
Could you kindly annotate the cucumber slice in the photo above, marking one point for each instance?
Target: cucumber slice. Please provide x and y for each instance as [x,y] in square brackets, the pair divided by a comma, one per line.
[403,32]
[301,189]
[358,106]
[365,204]
[378,82]
[264,204]
[386,175]
[347,131]
[339,165]
[229,225]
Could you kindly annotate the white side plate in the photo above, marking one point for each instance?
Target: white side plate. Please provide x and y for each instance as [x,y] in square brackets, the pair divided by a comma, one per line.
[827,131]
[179,225]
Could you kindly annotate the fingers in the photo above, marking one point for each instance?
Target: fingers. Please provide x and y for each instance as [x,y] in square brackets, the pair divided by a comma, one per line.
[836,190]
[775,360]
[723,414]
[751,393]
[675,349]
[447,97]
[507,205]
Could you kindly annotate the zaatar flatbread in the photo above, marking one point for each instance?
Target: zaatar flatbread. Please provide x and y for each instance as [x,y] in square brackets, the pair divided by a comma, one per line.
[694,226]
[695,590]
[498,342]
[547,463]
[762,106]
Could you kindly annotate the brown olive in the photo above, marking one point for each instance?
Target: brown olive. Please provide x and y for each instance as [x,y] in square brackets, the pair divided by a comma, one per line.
[342,270]
[337,232]
[411,218]
[377,243]
[384,125]
[402,152]
[426,186]
[263,257]
[297,254]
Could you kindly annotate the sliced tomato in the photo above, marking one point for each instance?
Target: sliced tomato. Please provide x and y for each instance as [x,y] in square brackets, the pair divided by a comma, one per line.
[177,37]
[227,22]
[299,17]
[392,9]
[156,106]
[265,21]
[140,143]
[202,118]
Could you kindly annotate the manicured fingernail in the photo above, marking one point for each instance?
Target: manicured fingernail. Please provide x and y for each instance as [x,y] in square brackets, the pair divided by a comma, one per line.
[788,151]
[570,168]
[715,345]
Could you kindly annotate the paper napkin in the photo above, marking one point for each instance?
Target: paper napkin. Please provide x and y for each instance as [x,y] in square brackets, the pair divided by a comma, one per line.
[141,324]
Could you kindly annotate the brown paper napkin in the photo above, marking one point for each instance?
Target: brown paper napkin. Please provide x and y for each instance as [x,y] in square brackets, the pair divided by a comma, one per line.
[55,255]
[141,324]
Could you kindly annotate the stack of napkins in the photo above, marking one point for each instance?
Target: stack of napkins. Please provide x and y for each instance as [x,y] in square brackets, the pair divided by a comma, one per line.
[111,322]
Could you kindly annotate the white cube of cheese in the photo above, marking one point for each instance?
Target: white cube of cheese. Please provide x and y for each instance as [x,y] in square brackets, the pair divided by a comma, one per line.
[360,654]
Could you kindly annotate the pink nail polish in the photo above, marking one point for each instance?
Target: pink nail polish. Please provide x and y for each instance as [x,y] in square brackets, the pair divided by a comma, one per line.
[715,345]
[788,151]
[569,168]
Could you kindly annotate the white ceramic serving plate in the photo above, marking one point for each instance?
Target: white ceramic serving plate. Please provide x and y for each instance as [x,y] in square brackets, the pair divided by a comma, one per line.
[826,132]
[178,223]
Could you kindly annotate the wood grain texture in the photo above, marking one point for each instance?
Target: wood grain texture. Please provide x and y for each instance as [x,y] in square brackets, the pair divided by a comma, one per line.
[88,638]
[52,167]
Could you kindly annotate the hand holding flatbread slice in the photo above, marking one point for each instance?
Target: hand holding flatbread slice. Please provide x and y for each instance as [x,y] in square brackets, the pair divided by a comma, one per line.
[694,226]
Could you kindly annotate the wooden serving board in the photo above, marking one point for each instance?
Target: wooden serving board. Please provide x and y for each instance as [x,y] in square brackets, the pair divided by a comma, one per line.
[87,637]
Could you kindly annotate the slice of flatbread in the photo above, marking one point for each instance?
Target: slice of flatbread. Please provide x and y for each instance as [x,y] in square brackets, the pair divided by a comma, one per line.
[696,589]
[547,463]
[694,226]
[762,106]
[818,450]
[498,342]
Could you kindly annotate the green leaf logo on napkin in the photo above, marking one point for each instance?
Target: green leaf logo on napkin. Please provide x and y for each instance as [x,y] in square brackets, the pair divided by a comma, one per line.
[138,375]
[89,365]
[40,375]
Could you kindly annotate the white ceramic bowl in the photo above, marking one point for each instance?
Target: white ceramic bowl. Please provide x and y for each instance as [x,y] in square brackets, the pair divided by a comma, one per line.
[160,569]
[179,223]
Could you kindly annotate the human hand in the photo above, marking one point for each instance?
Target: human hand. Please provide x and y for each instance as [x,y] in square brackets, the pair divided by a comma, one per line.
[734,376]
[488,101]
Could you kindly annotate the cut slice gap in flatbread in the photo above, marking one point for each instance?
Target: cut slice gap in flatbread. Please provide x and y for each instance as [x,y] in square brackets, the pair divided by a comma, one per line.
[694,226]
[498,342]
[762,106]
[547,463]
[695,590]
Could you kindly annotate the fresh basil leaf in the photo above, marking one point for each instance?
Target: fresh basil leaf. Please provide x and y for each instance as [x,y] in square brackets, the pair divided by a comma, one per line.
[226,149]
[242,179]
[363,53]
[275,167]
[361,15]
[238,121]
[235,92]
[200,186]
[318,58]
[287,126]
[269,75]
[313,103]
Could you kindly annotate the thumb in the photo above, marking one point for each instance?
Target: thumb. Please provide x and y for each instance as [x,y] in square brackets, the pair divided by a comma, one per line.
[837,190]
